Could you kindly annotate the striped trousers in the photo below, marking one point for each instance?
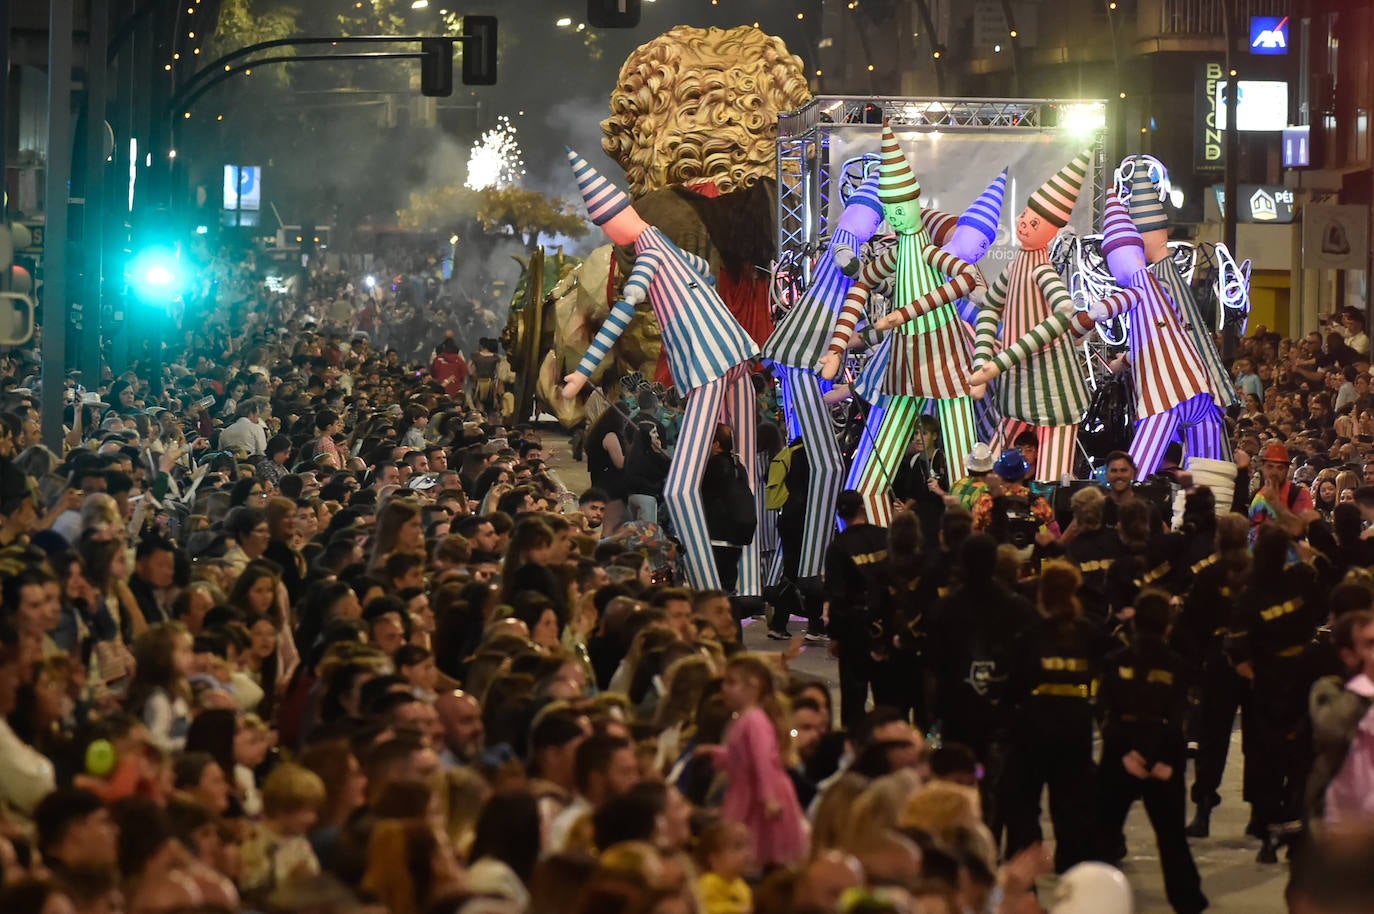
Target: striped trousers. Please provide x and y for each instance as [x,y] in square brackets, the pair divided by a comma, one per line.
[730,397]
[1055,447]
[807,406]
[1204,434]
[880,452]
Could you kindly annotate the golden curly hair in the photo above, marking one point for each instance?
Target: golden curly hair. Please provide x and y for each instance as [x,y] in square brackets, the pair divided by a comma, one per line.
[697,104]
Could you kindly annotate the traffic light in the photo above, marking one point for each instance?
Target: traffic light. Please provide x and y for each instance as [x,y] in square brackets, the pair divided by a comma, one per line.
[479,55]
[436,67]
[307,239]
[16,308]
[157,275]
[613,14]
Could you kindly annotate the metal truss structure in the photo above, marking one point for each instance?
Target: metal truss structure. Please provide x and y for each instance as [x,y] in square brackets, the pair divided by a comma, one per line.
[803,145]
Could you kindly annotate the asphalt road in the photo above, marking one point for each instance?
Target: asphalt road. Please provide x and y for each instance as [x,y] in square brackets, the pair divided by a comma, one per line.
[1231,878]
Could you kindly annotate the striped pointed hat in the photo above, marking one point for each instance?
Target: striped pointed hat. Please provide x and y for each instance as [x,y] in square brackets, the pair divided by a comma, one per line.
[867,195]
[1054,199]
[1118,231]
[1146,209]
[985,213]
[604,200]
[896,181]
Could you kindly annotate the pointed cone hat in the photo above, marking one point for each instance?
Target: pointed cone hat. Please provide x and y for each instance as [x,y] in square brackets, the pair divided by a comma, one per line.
[896,181]
[1146,209]
[867,195]
[604,200]
[1118,230]
[985,213]
[1054,199]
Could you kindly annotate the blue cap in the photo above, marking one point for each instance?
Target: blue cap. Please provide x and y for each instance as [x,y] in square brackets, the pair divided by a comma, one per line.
[1012,465]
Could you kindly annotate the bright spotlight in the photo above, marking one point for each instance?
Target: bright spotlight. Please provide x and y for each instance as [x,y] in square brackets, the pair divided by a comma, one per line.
[419,4]
[1083,119]
[564,22]
[370,282]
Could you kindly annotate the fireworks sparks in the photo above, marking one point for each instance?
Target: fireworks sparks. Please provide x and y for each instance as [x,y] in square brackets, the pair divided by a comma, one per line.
[496,160]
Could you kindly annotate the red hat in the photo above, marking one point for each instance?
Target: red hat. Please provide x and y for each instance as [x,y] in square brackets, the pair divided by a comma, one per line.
[1274,452]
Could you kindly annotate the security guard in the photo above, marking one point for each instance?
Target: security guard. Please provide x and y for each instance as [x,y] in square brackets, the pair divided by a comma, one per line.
[1092,547]
[1200,636]
[1055,665]
[1275,618]
[1144,699]
[853,565]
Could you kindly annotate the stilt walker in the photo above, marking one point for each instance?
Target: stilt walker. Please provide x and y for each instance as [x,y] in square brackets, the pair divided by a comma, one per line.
[708,353]
[1049,392]
[929,355]
[1171,386]
[1146,208]
[796,346]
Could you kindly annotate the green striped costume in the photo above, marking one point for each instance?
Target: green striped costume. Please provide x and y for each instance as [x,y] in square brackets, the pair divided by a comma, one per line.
[1048,390]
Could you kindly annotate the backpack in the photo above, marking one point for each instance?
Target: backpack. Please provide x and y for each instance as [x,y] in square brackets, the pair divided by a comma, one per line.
[776,492]
[744,514]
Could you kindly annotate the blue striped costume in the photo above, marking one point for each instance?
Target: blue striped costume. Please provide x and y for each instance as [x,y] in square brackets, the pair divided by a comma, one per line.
[795,346]
[708,352]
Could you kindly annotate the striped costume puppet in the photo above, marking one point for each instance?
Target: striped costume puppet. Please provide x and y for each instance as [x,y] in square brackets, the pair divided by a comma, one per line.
[968,237]
[928,357]
[1172,390]
[708,352]
[1146,208]
[796,346]
[1049,392]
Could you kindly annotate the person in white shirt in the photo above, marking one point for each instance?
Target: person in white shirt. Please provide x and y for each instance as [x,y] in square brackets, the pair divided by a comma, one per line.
[247,432]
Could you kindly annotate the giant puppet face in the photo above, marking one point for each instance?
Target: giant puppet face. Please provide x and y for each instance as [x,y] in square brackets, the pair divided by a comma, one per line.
[1034,231]
[702,105]
[862,219]
[968,243]
[903,217]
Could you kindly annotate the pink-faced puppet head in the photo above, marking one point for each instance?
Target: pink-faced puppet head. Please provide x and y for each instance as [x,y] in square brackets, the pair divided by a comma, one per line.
[898,188]
[1050,205]
[1147,211]
[607,204]
[863,211]
[977,227]
[1122,244]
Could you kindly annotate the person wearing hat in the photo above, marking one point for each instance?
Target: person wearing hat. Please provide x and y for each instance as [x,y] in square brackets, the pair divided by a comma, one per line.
[980,480]
[796,346]
[708,352]
[1017,515]
[1280,500]
[928,354]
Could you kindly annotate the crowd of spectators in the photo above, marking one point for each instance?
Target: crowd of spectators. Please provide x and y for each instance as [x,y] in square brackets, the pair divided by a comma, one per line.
[297,623]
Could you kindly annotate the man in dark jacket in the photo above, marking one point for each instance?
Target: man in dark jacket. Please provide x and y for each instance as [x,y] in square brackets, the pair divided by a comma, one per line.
[972,634]
[853,590]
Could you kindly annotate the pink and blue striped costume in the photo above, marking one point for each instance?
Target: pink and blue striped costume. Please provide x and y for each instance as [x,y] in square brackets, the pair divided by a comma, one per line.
[708,354]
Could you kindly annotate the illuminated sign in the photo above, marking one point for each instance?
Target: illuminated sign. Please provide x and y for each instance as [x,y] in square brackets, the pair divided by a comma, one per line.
[1263,105]
[1269,35]
[1297,147]
[242,187]
[1207,148]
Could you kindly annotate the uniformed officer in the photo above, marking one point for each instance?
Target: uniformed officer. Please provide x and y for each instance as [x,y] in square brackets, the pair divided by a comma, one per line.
[1092,547]
[1144,699]
[1275,618]
[852,591]
[1055,665]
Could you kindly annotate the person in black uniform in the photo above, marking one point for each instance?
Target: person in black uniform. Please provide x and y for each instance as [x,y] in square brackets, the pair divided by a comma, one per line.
[1144,699]
[1200,636]
[971,635]
[1092,547]
[1054,665]
[853,591]
[1275,618]
[898,633]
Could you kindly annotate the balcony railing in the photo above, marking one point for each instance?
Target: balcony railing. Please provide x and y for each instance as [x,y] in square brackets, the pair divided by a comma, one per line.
[1207,17]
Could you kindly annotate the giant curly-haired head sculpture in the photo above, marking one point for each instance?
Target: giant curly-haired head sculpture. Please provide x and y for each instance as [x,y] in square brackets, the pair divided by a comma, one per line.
[702,104]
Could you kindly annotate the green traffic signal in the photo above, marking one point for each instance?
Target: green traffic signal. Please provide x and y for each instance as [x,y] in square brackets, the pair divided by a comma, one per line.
[157,275]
